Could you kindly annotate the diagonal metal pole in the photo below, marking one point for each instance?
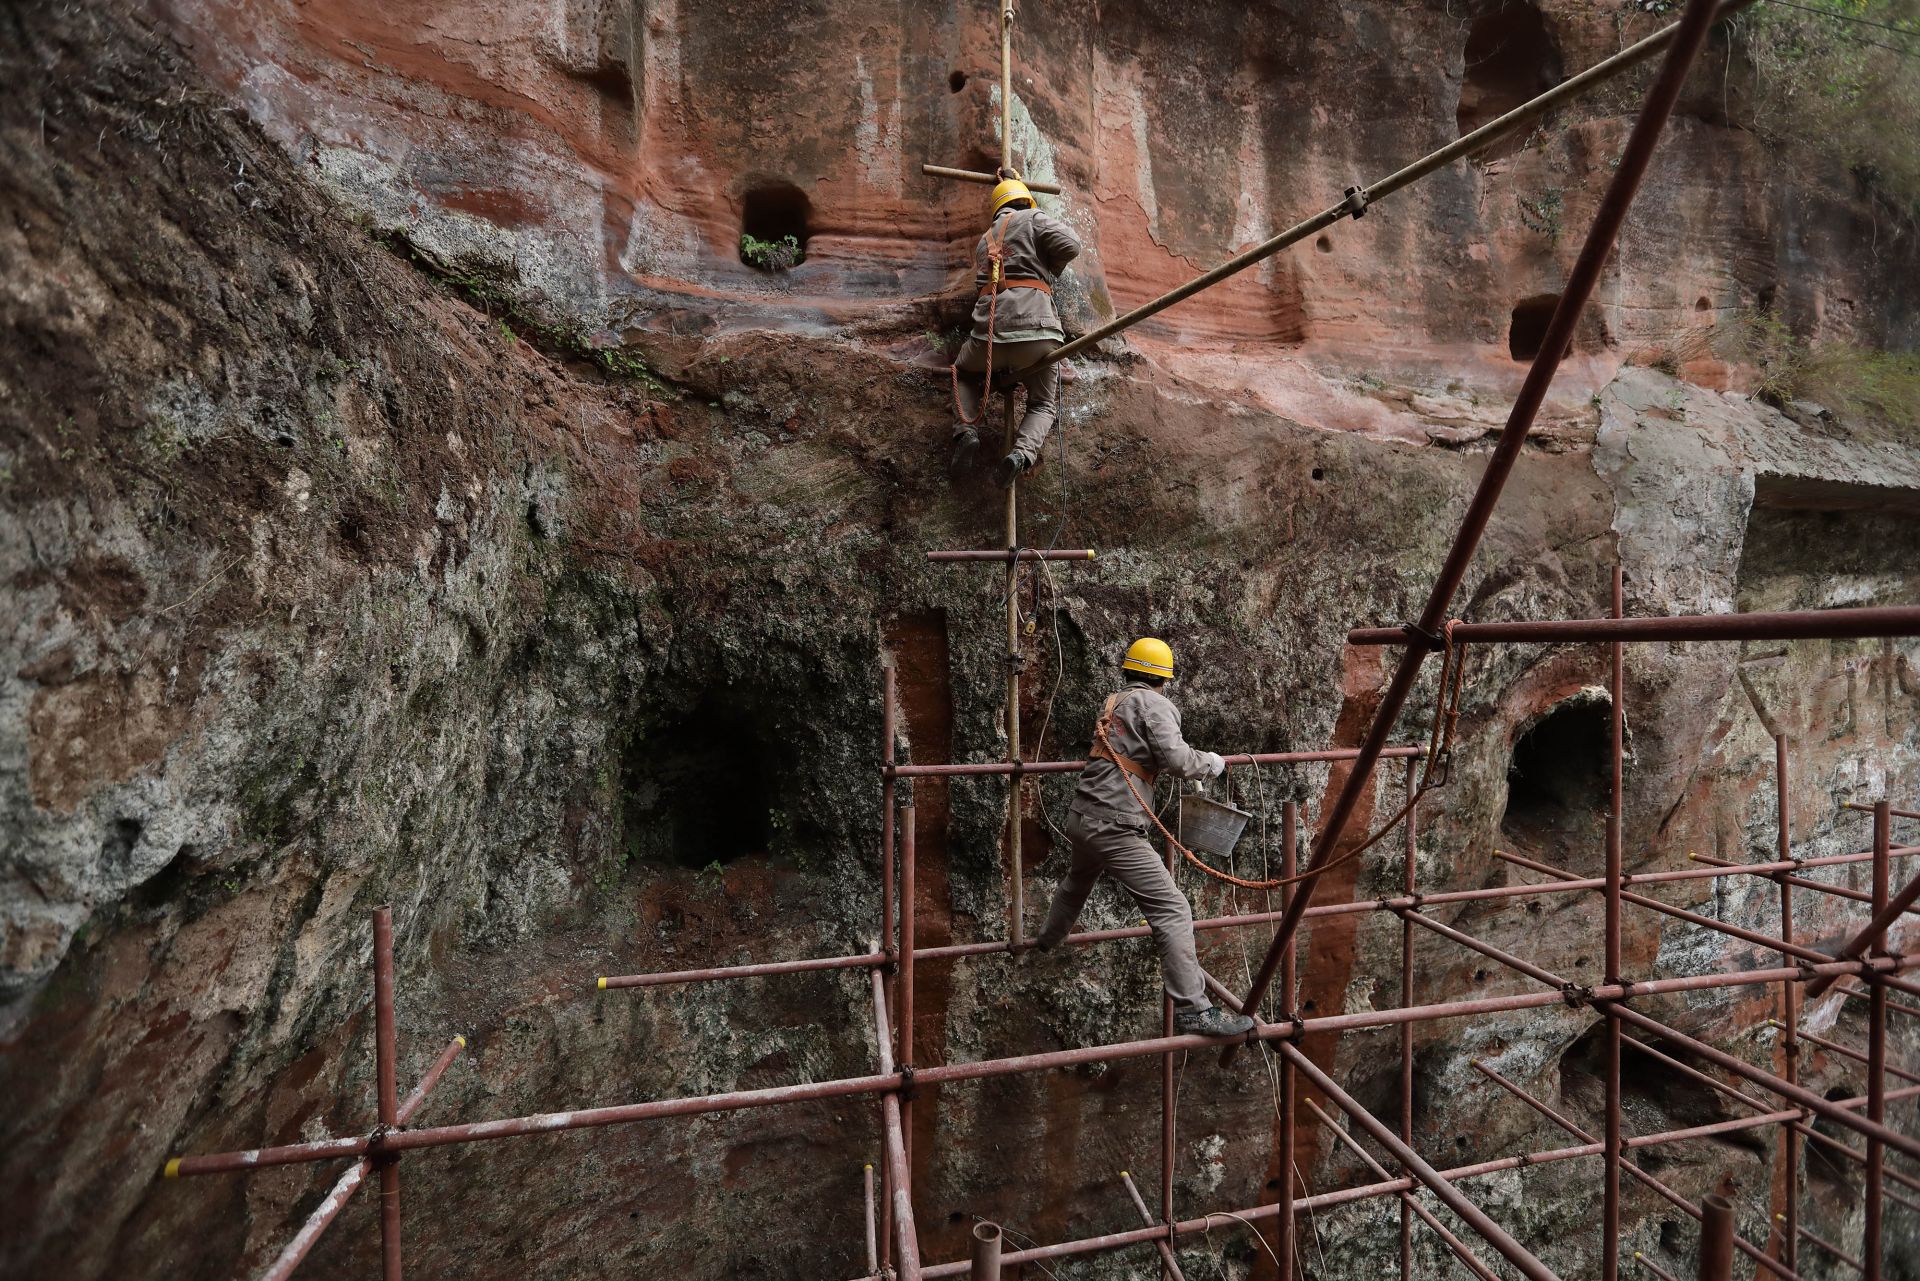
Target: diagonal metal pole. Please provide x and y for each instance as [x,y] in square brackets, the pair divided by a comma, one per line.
[336,1199]
[1666,1193]
[1634,159]
[1886,912]
[1408,1204]
[1476,1218]
[1169,1265]
[1360,198]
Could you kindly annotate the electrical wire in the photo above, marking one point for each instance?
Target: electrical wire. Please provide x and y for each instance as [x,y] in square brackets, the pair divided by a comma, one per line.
[1847,17]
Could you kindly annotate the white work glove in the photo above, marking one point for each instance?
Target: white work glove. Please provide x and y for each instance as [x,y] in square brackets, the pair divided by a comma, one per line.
[1215,765]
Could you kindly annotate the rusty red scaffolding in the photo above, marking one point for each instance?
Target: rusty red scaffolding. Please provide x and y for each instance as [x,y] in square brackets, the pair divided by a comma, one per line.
[892,1237]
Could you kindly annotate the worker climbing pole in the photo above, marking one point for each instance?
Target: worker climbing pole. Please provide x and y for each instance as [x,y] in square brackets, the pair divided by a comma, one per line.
[1015,331]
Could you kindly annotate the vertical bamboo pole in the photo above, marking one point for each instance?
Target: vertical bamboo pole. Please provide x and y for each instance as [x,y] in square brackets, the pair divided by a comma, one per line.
[1790,1018]
[908,911]
[1406,1029]
[389,1092]
[1610,1206]
[887,681]
[1166,1101]
[1016,901]
[889,938]
[1289,865]
[1870,1250]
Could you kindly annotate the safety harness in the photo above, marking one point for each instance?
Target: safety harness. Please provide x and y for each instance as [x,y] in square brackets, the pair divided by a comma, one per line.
[997,283]
[1438,770]
[1132,769]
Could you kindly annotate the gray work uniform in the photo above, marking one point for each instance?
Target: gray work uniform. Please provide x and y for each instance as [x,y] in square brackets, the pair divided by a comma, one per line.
[1107,830]
[1036,246]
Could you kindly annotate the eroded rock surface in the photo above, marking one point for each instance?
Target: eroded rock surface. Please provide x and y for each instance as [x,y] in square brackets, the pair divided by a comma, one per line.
[410,498]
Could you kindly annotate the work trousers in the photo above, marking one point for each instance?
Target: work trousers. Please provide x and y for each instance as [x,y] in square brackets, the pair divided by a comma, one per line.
[1105,846]
[1016,359]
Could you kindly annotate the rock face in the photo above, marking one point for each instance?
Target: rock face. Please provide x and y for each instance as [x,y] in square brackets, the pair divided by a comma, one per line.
[411,497]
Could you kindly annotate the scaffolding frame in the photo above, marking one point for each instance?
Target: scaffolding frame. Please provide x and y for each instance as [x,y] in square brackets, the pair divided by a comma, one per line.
[892,1245]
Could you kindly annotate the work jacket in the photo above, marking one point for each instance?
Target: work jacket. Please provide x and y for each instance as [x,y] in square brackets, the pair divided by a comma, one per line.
[1145,728]
[1036,246]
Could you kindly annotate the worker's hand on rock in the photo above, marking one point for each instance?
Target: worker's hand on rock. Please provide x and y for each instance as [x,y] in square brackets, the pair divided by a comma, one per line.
[1216,766]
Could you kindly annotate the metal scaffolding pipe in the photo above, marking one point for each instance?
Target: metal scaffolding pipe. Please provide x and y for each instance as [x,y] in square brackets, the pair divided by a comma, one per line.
[906,1236]
[1887,911]
[343,1189]
[873,1243]
[903,989]
[1168,1263]
[1807,1099]
[1782,878]
[1857,1156]
[1289,1087]
[1408,1205]
[1871,1244]
[1616,739]
[1716,1238]
[1689,35]
[1653,1267]
[1680,913]
[1449,1196]
[384,1054]
[1895,1006]
[986,1252]
[1343,1196]
[774,1096]
[1408,856]
[1074,767]
[1361,197]
[1800,624]
[1659,1188]
[1022,553]
[986,179]
[956,951]
[1848,1052]
[1833,1249]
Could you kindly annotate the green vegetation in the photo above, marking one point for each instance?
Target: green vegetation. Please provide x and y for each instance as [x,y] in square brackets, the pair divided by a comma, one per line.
[771,255]
[1856,383]
[1844,86]
[490,293]
[1542,214]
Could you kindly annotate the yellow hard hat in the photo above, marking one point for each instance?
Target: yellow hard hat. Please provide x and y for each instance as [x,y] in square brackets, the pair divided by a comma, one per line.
[1149,656]
[1008,190]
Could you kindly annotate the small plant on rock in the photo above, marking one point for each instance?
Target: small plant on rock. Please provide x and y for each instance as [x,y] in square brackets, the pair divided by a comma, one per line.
[771,255]
[1543,213]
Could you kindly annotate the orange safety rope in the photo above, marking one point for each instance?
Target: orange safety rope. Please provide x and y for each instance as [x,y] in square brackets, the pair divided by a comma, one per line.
[1446,722]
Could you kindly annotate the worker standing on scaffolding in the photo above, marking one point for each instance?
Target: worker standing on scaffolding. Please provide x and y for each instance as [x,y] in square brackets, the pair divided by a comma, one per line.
[1138,737]
[1015,325]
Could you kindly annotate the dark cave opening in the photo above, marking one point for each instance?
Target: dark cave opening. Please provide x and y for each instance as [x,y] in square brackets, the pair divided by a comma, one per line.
[701,790]
[1527,330]
[776,220]
[1509,59]
[1559,775]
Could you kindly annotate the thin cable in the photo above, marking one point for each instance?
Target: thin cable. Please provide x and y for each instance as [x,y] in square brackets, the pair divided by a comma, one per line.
[1844,17]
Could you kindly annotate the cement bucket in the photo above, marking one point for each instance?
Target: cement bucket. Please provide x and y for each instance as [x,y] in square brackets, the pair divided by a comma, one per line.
[1208,826]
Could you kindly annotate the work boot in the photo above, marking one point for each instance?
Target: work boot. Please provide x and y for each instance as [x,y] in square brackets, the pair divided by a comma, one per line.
[1014,466]
[1212,1021]
[966,446]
